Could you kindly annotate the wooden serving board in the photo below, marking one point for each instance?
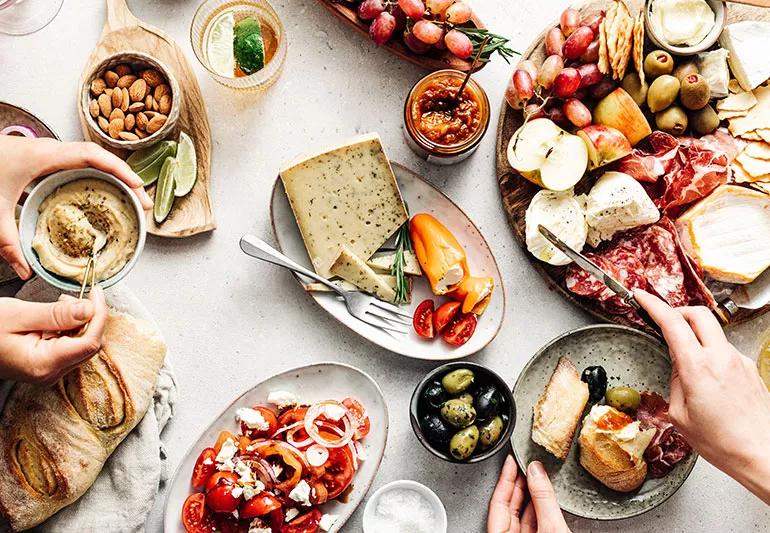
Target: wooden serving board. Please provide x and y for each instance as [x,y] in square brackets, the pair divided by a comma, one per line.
[123,32]
[435,60]
[517,192]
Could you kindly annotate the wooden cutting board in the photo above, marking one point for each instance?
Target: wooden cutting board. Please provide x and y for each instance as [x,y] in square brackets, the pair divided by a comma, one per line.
[123,32]
[517,192]
[435,60]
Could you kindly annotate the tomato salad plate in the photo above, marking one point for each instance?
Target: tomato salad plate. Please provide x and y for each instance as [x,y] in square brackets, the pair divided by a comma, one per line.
[295,454]
[374,226]
[639,134]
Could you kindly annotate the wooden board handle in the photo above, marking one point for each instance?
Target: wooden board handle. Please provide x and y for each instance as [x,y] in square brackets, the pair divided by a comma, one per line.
[118,16]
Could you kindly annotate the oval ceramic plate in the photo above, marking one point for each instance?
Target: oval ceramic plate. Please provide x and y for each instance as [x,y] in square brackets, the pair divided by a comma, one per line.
[422,197]
[11,115]
[312,383]
[630,358]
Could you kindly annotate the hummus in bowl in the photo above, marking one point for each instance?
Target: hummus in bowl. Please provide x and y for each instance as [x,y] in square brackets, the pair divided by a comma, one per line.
[73,214]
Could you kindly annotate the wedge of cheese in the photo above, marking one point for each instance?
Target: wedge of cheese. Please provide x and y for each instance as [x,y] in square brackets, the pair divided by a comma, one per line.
[346,195]
[347,286]
[350,267]
[726,233]
[747,43]
[382,261]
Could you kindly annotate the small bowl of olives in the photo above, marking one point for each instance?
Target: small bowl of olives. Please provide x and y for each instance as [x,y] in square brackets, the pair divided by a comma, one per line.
[463,412]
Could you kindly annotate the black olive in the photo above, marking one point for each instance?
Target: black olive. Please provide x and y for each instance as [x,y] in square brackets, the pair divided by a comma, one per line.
[434,395]
[487,402]
[596,378]
[435,430]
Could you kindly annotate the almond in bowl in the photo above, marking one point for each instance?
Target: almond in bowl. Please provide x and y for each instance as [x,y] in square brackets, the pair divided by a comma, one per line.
[130,101]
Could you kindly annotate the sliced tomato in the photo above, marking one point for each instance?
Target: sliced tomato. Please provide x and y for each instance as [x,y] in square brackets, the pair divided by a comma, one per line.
[423,319]
[227,523]
[306,523]
[221,478]
[359,413]
[276,520]
[444,315]
[460,329]
[195,516]
[269,417]
[290,463]
[318,493]
[219,492]
[204,467]
[339,471]
[223,436]
[260,505]
[292,416]
[243,443]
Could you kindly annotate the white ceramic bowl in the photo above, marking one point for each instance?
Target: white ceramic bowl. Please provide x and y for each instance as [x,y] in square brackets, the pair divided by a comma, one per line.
[438,508]
[720,17]
[29,215]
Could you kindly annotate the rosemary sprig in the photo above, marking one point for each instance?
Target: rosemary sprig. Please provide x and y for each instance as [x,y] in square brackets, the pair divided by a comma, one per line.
[497,43]
[403,244]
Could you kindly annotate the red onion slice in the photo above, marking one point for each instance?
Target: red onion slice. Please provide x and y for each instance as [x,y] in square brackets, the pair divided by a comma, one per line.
[322,409]
[316,455]
[24,131]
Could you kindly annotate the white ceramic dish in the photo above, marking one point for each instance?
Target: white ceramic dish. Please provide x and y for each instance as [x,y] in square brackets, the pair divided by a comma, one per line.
[438,508]
[29,215]
[422,197]
[312,383]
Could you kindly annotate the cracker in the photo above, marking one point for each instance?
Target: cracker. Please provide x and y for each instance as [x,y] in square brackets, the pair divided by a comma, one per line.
[758,169]
[739,174]
[638,50]
[742,101]
[603,64]
[733,86]
[758,150]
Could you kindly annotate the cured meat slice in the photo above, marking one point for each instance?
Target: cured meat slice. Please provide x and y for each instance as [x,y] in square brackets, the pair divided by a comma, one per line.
[668,447]
[648,166]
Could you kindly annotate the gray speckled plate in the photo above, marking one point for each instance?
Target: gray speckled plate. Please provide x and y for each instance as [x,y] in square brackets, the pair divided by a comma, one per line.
[630,358]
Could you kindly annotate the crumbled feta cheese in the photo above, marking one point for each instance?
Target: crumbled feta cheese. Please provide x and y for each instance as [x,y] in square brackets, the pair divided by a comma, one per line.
[334,412]
[252,418]
[235,513]
[226,466]
[282,399]
[291,514]
[236,492]
[301,493]
[249,492]
[328,521]
[244,471]
[227,451]
[258,526]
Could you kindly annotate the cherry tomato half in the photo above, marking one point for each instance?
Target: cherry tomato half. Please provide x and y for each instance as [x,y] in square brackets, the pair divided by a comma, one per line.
[204,467]
[223,436]
[219,492]
[221,478]
[423,319]
[306,523]
[195,516]
[339,471]
[460,329]
[318,493]
[359,413]
[444,315]
[260,505]
[292,416]
[269,417]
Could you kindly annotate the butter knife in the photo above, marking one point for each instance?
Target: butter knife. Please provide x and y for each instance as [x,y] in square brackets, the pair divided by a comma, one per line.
[589,266]
[751,296]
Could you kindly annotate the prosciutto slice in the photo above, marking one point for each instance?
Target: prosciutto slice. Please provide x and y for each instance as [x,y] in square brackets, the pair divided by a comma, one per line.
[649,165]
[668,447]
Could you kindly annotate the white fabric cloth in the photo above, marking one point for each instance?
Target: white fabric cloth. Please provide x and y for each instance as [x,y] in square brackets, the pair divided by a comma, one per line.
[123,494]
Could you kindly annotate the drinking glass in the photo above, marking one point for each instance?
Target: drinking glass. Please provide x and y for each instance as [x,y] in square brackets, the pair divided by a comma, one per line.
[22,17]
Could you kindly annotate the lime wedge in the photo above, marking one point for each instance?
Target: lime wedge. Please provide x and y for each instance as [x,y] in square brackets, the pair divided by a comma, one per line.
[164,194]
[764,364]
[248,46]
[188,166]
[219,47]
[147,165]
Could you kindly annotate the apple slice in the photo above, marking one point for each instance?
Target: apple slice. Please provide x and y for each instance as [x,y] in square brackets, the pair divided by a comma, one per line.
[565,164]
[618,110]
[605,144]
[530,144]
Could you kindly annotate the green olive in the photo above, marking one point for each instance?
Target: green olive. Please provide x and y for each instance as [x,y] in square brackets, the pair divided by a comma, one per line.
[466,397]
[704,120]
[490,432]
[457,381]
[662,92]
[458,413]
[657,63]
[623,399]
[464,442]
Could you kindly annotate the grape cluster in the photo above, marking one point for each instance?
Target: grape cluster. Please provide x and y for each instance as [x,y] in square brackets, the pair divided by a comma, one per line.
[423,26]
[568,77]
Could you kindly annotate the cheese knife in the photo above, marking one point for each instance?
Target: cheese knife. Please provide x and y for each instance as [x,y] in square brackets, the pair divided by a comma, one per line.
[614,285]
[751,296]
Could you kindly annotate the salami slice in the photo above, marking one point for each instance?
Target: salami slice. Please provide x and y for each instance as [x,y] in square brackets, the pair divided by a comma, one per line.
[668,447]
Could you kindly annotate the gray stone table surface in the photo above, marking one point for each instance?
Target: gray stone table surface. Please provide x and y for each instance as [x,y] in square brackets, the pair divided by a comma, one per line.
[231,322]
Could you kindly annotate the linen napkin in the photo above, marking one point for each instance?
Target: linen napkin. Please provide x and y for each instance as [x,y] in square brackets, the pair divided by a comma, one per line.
[123,494]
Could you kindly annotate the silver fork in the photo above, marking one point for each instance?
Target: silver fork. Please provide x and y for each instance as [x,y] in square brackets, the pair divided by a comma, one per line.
[362,306]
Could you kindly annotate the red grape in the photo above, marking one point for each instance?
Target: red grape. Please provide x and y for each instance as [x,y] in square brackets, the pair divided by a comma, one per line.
[592,21]
[566,83]
[533,111]
[398,13]
[589,74]
[459,44]
[577,112]
[557,115]
[569,21]
[414,9]
[440,45]
[578,42]
[591,55]
[437,7]
[415,44]
[512,97]
[554,42]
[549,70]
[602,89]
[522,82]
[427,32]
[529,66]
[369,9]
[581,94]
[382,28]
[459,13]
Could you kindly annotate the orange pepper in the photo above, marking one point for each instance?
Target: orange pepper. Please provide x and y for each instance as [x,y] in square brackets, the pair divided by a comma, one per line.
[475,293]
[437,250]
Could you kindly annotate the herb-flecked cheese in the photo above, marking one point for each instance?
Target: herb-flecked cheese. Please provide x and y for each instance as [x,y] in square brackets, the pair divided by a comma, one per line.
[344,196]
[383,261]
[389,280]
[353,269]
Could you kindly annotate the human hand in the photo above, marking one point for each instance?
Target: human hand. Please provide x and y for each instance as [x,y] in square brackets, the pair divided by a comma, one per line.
[718,400]
[507,510]
[35,341]
[27,159]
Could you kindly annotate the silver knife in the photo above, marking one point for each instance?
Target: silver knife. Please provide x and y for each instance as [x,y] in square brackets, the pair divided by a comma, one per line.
[753,295]
[589,266]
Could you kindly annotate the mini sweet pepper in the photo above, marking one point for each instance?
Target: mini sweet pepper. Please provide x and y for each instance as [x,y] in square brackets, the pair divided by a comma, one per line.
[474,293]
[440,255]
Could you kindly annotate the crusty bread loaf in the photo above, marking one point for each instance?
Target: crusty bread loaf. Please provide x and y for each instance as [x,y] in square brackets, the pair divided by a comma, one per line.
[55,439]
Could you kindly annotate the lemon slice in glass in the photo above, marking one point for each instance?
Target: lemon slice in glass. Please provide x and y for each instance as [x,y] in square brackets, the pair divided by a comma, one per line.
[188,166]
[763,362]
[164,194]
[219,46]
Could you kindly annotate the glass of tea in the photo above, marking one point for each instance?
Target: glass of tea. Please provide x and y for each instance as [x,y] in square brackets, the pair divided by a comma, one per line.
[241,43]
